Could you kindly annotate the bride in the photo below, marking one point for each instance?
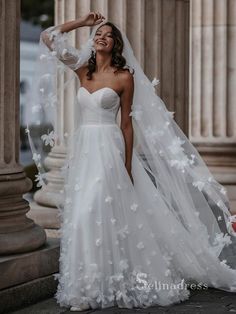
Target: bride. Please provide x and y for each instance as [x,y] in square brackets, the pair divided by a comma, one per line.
[143,219]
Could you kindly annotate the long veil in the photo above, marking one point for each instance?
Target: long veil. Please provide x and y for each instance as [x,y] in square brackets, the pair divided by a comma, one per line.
[189,189]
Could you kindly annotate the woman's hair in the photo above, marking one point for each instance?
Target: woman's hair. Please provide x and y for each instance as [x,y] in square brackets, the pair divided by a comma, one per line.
[117,59]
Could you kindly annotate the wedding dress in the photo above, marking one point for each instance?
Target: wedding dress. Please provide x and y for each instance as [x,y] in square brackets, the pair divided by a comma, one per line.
[140,244]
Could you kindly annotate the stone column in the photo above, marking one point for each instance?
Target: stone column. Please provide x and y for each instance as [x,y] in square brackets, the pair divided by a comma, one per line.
[17,232]
[44,210]
[212,107]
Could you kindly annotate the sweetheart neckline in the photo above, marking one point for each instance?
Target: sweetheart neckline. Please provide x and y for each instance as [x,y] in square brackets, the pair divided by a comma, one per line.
[91,93]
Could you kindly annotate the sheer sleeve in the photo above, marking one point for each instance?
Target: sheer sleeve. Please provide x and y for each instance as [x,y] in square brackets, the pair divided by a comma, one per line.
[58,43]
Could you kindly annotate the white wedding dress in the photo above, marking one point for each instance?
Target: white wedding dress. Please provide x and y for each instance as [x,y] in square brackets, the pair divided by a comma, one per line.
[120,243]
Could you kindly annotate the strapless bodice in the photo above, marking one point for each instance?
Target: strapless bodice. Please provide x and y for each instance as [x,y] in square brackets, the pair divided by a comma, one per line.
[100,106]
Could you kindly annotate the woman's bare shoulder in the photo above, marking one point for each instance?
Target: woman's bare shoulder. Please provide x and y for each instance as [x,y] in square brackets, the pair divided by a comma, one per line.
[126,77]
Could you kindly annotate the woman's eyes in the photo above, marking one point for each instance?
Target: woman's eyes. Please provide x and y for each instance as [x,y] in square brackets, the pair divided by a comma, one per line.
[107,35]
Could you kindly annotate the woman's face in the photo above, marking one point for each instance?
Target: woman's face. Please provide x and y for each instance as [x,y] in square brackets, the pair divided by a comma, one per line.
[103,40]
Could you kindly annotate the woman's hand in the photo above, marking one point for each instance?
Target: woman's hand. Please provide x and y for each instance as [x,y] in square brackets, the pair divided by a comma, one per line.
[92,18]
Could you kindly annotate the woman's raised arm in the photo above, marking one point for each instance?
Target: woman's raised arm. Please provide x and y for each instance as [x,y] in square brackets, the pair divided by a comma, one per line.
[56,39]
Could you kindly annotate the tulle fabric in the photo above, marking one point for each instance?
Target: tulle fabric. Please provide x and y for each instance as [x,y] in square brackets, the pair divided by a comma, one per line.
[121,244]
[183,210]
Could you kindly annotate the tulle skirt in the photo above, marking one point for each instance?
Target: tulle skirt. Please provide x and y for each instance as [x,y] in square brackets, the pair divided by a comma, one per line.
[120,243]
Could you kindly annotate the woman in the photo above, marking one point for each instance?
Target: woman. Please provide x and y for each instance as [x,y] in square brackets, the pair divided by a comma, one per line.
[140,222]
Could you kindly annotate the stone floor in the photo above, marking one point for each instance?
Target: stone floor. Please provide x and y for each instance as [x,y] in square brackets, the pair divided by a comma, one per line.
[210,301]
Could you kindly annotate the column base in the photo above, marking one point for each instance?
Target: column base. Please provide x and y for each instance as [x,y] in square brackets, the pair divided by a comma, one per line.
[22,241]
[46,217]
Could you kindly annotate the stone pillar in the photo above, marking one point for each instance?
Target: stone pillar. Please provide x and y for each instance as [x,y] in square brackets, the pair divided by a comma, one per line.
[44,210]
[212,107]
[17,232]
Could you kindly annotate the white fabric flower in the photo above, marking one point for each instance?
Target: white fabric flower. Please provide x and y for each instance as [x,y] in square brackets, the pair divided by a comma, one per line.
[155,81]
[49,138]
[180,164]
[199,184]
[98,242]
[171,114]
[123,232]
[113,221]
[36,108]
[43,56]
[222,239]
[123,265]
[175,147]
[153,133]
[137,114]
[36,157]
[223,190]
[140,245]
[134,207]
[167,273]
[109,199]
[39,179]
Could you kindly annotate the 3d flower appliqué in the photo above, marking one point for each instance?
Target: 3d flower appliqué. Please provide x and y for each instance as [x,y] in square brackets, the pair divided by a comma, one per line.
[153,133]
[36,157]
[176,146]
[223,191]
[223,239]
[137,114]
[140,245]
[109,199]
[134,207]
[49,139]
[113,221]
[180,164]
[98,242]
[155,81]
[199,184]
[171,114]
[39,178]
[123,265]
[123,232]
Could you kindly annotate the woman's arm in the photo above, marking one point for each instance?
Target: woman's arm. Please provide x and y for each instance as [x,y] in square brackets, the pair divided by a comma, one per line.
[55,39]
[126,120]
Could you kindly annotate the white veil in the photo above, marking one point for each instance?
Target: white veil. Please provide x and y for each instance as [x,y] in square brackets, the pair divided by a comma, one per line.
[177,170]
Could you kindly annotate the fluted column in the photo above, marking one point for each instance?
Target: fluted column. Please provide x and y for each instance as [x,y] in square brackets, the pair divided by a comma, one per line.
[17,232]
[44,208]
[212,108]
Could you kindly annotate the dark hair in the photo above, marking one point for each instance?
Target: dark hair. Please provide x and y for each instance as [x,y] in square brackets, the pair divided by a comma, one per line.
[117,59]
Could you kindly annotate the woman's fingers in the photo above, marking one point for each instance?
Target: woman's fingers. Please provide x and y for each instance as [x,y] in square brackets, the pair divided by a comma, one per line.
[97,17]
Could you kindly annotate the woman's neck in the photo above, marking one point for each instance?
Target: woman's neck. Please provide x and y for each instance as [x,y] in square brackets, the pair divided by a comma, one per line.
[103,62]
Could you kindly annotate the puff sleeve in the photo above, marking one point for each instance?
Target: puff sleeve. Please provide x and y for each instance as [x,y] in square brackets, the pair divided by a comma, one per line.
[58,43]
